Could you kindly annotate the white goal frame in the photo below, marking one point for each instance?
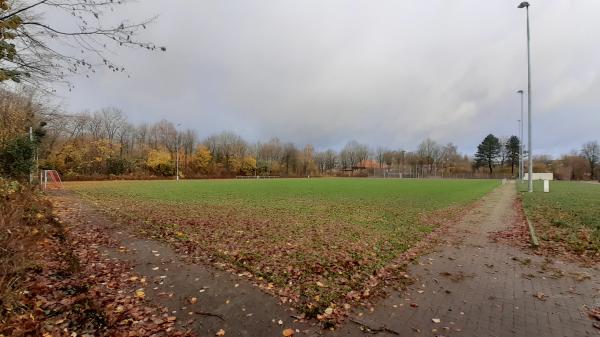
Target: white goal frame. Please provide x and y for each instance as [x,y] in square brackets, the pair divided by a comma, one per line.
[52,177]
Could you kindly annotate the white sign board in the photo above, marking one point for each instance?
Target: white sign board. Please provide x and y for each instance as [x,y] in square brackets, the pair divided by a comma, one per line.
[539,176]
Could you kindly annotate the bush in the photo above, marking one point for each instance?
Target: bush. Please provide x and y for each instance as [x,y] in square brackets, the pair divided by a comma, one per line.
[118,166]
[16,158]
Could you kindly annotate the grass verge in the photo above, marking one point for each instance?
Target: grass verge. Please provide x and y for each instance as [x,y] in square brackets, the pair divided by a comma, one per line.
[567,219]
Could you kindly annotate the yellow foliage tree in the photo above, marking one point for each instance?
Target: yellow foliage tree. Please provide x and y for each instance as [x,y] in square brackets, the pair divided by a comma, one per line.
[247,166]
[201,160]
[84,157]
[159,162]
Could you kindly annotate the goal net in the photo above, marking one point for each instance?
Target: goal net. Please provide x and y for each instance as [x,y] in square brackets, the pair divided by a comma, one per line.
[50,179]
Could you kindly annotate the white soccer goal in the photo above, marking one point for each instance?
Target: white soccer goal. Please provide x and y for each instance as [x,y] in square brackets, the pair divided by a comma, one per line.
[50,179]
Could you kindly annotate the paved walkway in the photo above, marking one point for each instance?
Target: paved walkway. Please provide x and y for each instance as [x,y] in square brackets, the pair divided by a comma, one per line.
[474,287]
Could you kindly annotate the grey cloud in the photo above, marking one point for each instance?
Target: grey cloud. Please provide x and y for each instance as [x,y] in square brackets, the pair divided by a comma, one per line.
[384,72]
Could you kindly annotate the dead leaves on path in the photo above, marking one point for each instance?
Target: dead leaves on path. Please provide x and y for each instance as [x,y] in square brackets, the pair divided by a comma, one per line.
[75,290]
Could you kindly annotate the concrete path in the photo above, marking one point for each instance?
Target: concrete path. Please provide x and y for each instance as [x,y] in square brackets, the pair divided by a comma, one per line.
[474,287]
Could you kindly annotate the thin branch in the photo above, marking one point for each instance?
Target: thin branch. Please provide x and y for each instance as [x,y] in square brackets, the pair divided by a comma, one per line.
[22,10]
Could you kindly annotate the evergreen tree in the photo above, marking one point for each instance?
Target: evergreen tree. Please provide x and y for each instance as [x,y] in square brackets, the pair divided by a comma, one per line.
[488,152]
[512,149]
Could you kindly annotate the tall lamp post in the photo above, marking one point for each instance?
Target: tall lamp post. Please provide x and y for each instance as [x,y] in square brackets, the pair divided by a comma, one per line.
[177,155]
[521,162]
[525,5]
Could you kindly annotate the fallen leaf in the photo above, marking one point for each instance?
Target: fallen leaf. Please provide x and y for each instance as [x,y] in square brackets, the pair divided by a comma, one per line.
[221,332]
[435,320]
[140,294]
[288,332]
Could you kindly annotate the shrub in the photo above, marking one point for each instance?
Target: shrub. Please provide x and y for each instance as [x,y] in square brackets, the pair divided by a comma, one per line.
[118,166]
[16,158]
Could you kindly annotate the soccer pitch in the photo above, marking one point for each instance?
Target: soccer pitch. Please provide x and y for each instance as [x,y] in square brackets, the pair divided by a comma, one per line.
[313,241]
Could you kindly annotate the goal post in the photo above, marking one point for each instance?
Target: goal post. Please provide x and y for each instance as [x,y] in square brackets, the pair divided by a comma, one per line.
[50,179]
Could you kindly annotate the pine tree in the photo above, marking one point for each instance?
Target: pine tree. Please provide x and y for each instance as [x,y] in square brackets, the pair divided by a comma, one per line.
[488,152]
[512,148]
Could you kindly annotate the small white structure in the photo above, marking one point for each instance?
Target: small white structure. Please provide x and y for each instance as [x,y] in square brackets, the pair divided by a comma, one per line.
[546,186]
[539,176]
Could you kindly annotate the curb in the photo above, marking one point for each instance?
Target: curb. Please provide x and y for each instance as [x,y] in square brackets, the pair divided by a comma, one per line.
[534,239]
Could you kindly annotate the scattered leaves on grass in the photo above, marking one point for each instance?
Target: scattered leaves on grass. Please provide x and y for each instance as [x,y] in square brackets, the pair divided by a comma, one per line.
[311,252]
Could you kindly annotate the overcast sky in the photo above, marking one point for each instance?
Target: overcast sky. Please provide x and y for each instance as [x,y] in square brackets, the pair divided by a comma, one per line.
[381,72]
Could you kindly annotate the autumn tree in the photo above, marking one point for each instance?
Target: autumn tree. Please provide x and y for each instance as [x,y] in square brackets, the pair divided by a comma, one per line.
[36,49]
[201,160]
[308,161]
[591,152]
[290,158]
[429,153]
[380,155]
[247,166]
[353,153]
[448,157]
[488,152]
[159,162]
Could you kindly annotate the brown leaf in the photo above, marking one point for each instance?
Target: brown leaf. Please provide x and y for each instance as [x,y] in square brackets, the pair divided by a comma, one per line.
[288,332]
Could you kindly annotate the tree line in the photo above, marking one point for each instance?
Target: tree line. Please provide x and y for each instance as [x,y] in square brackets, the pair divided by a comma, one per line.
[104,143]
[499,153]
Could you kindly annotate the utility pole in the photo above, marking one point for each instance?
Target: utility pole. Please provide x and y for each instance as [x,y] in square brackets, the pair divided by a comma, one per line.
[177,156]
[521,161]
[525,5]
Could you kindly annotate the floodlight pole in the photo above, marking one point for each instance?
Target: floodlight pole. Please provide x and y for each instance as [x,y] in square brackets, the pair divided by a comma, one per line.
[521,161]
[177,155]
[525,5]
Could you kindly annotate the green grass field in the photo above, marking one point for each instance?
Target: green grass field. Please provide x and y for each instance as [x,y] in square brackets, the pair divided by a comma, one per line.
[569,215]
[315,240]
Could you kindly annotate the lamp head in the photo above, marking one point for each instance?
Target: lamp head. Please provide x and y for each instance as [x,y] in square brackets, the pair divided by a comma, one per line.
[523,4]
[520,92]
